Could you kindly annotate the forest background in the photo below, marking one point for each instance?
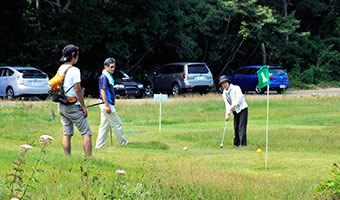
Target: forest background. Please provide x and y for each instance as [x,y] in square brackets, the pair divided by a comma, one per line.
[302,36]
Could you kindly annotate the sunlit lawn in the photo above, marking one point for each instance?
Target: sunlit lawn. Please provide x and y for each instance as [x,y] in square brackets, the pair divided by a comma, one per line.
[304,142]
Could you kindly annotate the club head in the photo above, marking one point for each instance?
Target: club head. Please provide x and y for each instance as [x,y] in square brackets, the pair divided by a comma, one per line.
[221,146]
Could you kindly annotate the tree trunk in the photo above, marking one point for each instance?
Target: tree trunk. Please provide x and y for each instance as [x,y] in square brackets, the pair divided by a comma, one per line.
[264,53]
[37,4]
[285,13]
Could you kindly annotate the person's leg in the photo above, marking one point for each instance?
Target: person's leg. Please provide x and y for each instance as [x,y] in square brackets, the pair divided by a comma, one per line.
[67,128]
[87,145]
[243,126]
[67,144]
[103,129]
[116,124]
[236,129]
[76,115]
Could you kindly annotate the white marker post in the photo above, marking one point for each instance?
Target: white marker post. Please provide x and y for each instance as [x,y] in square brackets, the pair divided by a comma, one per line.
[160,98]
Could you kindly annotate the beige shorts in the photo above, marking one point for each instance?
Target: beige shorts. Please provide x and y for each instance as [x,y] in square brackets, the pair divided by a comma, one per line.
[73,114]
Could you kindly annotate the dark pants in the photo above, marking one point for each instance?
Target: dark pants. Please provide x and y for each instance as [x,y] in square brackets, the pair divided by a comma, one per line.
[240,127]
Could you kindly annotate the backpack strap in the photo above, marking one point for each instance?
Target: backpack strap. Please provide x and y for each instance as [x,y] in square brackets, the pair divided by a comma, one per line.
[62,84]
[69,99]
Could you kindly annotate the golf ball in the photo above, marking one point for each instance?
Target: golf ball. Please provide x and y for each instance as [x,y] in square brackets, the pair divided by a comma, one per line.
[185,148]
[259,151]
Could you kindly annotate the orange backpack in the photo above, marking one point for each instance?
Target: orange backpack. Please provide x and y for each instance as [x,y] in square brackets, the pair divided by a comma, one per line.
[56,89]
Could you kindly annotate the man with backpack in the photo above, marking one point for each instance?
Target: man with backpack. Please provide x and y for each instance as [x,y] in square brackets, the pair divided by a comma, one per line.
[74,110]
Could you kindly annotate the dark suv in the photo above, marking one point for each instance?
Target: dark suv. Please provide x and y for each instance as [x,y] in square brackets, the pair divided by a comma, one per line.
[124,85]
[181,77]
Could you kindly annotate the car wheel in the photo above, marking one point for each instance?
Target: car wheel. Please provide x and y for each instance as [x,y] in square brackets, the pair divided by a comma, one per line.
[175,89]
[280,91]
[10,93]
[202,92]
[43,97]
[259,90]
[148,90]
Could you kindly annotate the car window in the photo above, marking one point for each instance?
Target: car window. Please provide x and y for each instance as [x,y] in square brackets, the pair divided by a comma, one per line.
[31,73]
[9,72]
[163,70]
[179,69]
[1,71]
[277,72]
[243,71]
[120,75]
[197,69]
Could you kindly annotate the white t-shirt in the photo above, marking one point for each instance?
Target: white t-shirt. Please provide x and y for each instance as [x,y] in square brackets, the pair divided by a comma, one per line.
[72,77]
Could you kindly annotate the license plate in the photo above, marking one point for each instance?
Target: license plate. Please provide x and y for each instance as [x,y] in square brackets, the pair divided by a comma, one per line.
[282,86]
[36,84]
[200,78]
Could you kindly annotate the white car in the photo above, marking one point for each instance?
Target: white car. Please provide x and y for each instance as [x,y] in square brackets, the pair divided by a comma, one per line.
[23,81]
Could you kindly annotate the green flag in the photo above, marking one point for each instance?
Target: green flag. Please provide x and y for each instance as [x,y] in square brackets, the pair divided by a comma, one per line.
[263,75]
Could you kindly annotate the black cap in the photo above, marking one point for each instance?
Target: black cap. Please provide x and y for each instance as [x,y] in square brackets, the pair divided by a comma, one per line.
[69,51]
[222,79]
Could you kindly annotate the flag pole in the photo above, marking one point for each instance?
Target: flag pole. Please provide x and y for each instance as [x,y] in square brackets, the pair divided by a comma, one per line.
[266,165]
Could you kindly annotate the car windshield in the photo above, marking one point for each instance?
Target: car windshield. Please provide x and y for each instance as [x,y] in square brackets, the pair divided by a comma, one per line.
[277,72]
[197,69]
[120,75]
[31,73]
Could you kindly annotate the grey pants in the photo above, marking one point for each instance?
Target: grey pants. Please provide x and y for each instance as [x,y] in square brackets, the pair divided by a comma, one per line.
[240,127]
[73,114]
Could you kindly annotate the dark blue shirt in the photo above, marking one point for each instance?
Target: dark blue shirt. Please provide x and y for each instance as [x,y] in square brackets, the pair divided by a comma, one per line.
[109,90]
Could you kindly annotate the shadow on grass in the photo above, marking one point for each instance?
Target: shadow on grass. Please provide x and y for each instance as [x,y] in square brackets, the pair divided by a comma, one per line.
[148,145]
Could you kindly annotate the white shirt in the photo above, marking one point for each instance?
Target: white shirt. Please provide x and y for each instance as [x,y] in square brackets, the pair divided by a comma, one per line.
[72,76]
[237,98]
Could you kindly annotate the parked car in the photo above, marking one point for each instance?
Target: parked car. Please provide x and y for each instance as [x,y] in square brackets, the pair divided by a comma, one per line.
[124,85]
[23,81]
[177,78]
[246,77]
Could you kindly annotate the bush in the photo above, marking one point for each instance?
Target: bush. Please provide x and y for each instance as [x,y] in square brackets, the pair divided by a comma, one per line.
[330,189]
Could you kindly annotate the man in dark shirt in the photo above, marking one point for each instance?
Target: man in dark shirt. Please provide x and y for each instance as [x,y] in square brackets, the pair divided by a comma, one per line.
[109,116]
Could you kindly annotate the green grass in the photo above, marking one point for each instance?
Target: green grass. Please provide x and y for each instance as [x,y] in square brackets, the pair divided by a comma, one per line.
[304,142]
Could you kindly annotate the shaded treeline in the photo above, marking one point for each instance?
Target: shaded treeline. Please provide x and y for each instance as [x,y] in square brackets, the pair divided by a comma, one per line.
[301,36]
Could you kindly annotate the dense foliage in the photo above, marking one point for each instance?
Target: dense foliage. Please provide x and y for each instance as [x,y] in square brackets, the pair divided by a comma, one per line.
[302,36]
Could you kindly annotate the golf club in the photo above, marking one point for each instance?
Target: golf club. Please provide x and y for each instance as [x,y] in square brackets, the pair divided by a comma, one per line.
[225,127]
[94,104]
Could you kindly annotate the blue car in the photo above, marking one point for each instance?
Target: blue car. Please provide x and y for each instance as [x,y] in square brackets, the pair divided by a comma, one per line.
[247,79]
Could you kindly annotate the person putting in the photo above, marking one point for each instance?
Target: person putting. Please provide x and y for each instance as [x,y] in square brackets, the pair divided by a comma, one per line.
[109,116]
[236,104]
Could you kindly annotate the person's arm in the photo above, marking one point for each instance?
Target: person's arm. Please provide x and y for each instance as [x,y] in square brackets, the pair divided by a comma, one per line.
[106,102]
[227,106]
[80,97]
[237,97]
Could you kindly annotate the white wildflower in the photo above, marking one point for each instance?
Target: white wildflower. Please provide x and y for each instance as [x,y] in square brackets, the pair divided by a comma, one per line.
[120,172]
[46,138]
[26,147]
[14,198]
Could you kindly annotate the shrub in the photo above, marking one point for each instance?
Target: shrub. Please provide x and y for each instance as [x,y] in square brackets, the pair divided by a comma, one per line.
[330,189]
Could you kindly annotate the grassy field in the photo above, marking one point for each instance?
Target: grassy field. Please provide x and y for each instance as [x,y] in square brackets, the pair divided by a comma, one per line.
[304,142]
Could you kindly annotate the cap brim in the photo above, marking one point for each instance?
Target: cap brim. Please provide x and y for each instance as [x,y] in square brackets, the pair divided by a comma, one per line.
[63,59]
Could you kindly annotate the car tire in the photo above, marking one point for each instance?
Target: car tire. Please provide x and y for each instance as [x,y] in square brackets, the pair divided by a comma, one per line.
[203,92]
[175,90]
[280,91]
[258,90]
[43,97]
[10,93]
[148,90]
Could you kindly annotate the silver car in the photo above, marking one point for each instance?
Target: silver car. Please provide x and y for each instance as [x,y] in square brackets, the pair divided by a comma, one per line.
[180,77]
[23,81]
